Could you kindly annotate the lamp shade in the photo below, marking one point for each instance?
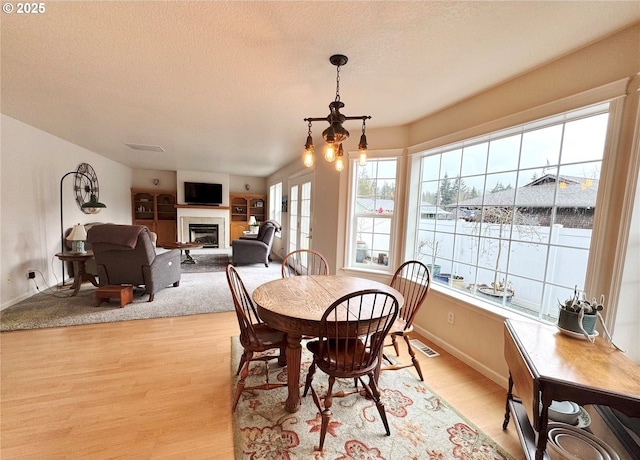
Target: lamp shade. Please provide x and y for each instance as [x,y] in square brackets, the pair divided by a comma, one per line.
[77,236]
[78,233]
[252,220]
[93,205]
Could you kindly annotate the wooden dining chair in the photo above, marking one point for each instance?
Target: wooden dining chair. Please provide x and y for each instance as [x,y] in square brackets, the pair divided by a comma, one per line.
[256,337]
[352,332]
[413,280]
[304,262]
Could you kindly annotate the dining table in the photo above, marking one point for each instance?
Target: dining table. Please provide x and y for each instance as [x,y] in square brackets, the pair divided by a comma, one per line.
[296,305]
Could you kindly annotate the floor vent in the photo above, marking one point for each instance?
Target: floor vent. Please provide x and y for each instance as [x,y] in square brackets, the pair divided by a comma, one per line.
[415,343]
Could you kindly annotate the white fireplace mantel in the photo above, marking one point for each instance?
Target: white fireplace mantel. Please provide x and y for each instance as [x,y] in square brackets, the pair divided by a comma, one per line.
[203,215]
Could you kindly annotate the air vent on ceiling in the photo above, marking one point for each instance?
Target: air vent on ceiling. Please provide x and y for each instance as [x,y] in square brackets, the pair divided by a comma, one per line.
[430,352]
[146,148]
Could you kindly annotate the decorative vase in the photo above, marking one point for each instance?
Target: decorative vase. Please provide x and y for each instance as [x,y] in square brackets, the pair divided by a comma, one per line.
[568,320]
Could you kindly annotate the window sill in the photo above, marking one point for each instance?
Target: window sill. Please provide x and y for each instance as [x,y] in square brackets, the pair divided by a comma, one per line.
[465,301]
[486,308]
[382,276]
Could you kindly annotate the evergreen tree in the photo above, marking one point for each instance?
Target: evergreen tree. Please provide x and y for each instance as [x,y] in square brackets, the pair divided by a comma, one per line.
[447,191]
[366,187]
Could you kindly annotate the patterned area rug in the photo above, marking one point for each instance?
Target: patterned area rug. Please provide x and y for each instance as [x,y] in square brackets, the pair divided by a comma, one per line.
[423,425]
[206,263]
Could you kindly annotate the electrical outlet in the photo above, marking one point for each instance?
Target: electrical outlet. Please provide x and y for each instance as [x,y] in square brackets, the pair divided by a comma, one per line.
[31,275]
[450,317]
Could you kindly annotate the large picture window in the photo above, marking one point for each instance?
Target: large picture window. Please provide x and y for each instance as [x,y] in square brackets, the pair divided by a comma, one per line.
[508,217]
[275,202]
[372,214]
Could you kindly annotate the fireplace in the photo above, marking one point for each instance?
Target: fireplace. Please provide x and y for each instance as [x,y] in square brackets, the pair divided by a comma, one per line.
[207,234]
[209,218]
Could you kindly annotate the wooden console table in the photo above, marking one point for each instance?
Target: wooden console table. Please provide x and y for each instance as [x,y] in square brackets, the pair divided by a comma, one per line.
[545,365]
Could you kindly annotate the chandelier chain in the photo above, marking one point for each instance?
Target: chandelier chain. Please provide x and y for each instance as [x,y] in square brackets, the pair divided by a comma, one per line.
[338,84]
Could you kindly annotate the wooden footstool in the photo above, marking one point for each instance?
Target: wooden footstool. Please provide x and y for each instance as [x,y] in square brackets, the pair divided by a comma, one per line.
[124,293]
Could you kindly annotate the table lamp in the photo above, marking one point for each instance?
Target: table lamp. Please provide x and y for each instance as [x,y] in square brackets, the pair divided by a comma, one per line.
[77,236]
[253,224]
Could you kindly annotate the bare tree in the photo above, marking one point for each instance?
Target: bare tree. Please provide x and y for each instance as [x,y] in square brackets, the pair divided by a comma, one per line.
[505,218]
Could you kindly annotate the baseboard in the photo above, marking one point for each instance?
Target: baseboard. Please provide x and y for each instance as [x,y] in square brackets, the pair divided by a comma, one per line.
[14,301]
[465,358]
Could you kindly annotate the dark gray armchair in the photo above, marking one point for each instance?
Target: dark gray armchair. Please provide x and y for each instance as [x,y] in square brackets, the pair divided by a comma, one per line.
[125,254]
[249,250]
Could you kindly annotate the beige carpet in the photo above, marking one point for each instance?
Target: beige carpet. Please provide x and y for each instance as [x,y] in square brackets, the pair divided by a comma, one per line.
[423,425]
[198,293]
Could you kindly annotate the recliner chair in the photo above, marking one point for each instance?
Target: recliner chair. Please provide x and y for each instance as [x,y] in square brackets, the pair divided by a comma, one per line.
[125,254]
[255,250]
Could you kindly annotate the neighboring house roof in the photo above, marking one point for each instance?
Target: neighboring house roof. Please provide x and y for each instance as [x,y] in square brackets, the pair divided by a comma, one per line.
[433,209]
[374,205]
[574,192]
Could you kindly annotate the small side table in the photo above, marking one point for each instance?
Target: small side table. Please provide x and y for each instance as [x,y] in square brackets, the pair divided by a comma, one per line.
[80,274]
[122,293]
[186,247]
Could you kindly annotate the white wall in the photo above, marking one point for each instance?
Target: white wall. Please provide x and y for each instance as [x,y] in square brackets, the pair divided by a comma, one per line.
[32,164]
[627,324]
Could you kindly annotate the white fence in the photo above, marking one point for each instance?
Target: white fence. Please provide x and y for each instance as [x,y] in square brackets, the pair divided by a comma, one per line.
[544,263]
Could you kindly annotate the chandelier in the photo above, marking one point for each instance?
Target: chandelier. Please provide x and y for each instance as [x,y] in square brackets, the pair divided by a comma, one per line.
[335,134]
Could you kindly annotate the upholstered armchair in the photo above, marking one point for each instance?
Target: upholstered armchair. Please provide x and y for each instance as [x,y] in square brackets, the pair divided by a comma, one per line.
[126,254]
[248,250]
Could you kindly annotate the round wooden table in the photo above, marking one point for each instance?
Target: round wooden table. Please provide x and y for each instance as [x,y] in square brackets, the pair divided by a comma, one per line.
[79,260]
[295,305]
[186,247]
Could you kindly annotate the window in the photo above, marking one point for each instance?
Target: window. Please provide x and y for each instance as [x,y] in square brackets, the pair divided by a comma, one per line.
[372,214]
[275,202]
[508,217]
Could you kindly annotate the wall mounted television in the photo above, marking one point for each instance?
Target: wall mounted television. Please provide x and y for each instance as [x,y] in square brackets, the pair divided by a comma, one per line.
[203,193]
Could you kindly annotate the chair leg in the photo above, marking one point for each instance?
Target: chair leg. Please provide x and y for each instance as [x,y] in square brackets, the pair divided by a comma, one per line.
[414,360]
[151,296]
[375,394]
[395,344]
[307,384]
[241,363]
[241,382]
[326,413]
[282,359]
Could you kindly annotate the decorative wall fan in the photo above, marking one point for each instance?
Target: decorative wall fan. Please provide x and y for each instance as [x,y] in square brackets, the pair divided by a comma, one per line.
[87,189]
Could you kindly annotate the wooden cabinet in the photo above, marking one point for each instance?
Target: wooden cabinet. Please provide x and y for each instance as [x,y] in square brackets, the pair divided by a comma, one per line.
[241,208]
[545,366]
[155,209]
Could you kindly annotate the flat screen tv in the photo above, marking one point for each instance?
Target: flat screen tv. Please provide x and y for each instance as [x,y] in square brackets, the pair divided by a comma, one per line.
[203,193]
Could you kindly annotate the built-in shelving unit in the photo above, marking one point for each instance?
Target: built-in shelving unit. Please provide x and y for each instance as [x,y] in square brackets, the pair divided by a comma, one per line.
[241,208]
[155,209]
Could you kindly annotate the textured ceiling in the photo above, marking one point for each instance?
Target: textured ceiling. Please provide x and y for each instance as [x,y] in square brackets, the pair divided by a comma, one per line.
[224,85]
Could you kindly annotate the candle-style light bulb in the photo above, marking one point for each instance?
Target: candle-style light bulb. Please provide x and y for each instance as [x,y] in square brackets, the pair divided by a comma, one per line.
[330,153]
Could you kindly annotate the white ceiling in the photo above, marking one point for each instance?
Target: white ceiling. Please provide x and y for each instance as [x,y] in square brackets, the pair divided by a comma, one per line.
[224,85]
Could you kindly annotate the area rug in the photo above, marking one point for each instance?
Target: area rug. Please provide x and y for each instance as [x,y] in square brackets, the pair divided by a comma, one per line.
[423,425]
[206,263]
[198,293]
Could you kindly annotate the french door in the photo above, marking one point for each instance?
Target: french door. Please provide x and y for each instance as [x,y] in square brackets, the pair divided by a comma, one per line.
[300,212]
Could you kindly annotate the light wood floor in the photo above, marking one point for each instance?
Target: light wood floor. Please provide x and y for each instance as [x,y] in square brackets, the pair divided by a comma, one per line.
[160,388]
